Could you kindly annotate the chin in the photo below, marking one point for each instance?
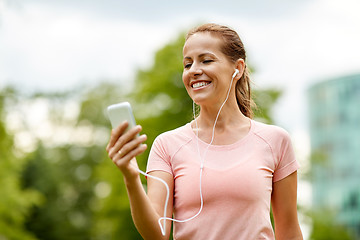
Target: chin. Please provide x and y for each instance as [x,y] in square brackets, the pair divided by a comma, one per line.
[201,102]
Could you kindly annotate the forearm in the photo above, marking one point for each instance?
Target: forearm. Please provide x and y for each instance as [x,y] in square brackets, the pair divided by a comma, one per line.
[123,147]
[284,203]
[297,237]
[292,233]
[143,212]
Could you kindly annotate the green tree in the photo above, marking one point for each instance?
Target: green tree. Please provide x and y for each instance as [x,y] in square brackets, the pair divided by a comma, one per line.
[15,202]
[62,172]
[73,175]
[325,227]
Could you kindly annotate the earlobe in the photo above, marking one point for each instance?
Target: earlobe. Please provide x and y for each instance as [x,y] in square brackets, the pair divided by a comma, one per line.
[235,73]
[240,66]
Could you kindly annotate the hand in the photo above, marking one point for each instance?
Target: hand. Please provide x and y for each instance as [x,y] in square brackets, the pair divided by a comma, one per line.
[124,147]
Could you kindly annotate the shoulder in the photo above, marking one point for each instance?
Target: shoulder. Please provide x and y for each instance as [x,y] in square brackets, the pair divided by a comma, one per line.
[168,143]
[276,138]
[174,137]
[279,142]
[270,133]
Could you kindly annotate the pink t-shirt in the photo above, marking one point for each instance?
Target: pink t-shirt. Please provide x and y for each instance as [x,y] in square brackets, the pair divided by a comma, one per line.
[236,182]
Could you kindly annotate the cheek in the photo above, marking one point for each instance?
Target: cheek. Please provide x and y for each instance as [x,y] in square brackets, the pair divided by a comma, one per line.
[186,82]
[185,78]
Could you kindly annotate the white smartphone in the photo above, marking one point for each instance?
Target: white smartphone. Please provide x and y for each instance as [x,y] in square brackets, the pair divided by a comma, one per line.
[120,112]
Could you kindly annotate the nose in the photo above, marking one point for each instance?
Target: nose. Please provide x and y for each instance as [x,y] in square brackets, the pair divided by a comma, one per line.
[195,70]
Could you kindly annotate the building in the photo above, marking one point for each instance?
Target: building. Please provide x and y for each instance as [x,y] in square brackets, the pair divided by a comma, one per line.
[334,112]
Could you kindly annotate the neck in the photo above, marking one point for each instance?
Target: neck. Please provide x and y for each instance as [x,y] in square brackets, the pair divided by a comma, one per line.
[229,116]
[231,125]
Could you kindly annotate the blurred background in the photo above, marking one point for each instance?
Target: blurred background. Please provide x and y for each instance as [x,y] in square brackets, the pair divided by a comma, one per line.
[63,62]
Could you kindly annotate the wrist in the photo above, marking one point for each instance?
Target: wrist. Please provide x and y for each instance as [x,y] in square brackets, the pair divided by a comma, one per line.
[131,179]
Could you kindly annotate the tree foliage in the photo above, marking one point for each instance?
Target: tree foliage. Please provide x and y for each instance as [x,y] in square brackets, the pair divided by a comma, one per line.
[326,227]
[15,202]
[84,193]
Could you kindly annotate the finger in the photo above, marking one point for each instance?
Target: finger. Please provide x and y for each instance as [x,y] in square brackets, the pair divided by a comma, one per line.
[116,133]
[128,147]
[125,138]
[121,148]
[125,160]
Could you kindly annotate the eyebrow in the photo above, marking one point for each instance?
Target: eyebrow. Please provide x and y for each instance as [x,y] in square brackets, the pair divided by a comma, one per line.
[202,55]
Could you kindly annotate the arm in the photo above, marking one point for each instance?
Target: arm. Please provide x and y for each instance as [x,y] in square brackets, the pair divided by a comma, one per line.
[284,204]
[146,209]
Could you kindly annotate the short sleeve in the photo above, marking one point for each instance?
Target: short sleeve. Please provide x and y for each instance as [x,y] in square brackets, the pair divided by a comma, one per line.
[286,162]
[159,158]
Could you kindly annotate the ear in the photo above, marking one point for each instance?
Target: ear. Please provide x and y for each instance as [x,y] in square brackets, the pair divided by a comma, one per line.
[240,65]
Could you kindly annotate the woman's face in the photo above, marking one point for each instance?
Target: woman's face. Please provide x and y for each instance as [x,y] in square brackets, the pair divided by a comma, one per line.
[207,71]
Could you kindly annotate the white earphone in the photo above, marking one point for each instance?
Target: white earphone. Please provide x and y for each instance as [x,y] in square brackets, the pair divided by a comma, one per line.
[235,73]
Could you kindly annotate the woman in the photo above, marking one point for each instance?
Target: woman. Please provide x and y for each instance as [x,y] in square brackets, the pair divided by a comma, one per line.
[223,169]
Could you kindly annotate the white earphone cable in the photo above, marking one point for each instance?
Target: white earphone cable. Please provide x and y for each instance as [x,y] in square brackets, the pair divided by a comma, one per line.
[202,160]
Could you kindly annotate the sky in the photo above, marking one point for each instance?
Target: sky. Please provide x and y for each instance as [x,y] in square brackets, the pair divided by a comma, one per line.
[57,45]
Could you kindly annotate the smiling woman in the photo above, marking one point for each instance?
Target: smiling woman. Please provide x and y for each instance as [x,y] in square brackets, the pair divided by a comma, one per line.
[222,170]
[232,51]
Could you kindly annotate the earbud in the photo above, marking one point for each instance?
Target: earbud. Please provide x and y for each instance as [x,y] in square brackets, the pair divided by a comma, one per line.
[235,73]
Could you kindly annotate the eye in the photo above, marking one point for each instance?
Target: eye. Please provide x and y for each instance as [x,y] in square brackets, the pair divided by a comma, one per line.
[207,61]
[187,65]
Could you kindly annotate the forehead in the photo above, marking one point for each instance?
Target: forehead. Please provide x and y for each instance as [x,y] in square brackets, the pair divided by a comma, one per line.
[200,43]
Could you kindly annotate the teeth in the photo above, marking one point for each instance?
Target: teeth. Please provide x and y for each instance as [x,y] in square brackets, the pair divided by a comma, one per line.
[200,84]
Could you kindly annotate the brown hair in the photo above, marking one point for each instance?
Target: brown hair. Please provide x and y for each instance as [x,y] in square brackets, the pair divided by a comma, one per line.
[233,48]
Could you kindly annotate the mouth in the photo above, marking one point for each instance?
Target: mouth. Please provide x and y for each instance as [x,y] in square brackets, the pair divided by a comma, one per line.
[199,84]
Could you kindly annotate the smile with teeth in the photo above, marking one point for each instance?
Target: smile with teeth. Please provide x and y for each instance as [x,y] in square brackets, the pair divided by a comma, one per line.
[200,84]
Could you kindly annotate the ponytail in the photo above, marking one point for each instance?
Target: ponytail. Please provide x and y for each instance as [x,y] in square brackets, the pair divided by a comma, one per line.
[243,94]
